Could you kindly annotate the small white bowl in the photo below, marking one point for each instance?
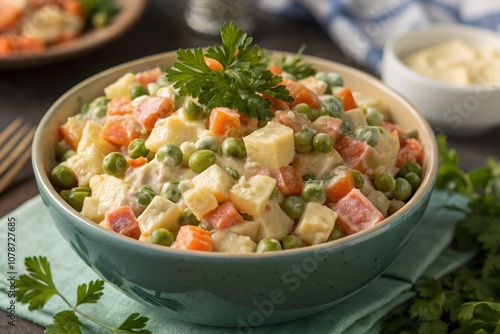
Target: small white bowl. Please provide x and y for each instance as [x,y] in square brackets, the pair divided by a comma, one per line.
[455,110]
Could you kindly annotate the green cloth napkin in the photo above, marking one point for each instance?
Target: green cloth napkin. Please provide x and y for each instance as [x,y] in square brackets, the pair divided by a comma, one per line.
[426,253]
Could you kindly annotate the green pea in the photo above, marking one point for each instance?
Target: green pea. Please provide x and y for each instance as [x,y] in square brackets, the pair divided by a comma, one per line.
[100,101]
[368,134]
[169,154]
[206,225]
[336,233]
[268,245]
[292,241]
[114,164]
[137,91]
[145,196]
[192,111]
[373,116]
[303,108]
[234,148]
[410,167]
[304,140]
[414,180]
[384,182]
[313,192]
[293,206]
[137,148]
[84,109]
[62,147]
[187,217]
[403,189]
[331,106]
[75,197]
[97,112]
[380,201]
[308,177]
[332,79]
[233,172]
[395,206]
[62,177]
[275,194]
[100,19]
[201,160]
[359,180]
[162,236]
[322,143]
[207,143]
[170,191]
[68,154]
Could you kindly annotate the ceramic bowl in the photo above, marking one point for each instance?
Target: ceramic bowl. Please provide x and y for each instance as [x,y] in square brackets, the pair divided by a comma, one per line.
[455,110]
[223,289]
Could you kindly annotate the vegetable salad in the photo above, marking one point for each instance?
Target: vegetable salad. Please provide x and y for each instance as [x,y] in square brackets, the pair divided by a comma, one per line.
[154,160]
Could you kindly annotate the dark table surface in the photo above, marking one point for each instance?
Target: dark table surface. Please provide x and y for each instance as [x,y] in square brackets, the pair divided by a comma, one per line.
[30,92]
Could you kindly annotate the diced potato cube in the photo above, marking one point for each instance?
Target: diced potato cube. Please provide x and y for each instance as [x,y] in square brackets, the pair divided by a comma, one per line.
[121,87]
[173,130]
[72,130]
[316,85]
[161,212]
[107,192]
[355,117]
[251,196]
[200,201]
[217,180]
[85,164]
[274,222]
[317,163]
[316,223]
[90,135]
[366,101]
[249,228]
[230,242]
[272,146]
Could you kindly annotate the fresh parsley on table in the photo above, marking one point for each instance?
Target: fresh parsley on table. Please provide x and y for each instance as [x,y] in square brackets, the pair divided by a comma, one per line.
[37,287]
[466,301]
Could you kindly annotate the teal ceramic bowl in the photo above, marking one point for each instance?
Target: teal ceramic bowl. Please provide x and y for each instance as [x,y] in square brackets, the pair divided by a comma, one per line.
[227,289]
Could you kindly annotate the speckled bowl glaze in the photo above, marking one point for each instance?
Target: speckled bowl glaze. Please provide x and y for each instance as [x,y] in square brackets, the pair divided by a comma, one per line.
[228,289]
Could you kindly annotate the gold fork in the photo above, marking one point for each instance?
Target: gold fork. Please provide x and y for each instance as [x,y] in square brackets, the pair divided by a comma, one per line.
[15,149]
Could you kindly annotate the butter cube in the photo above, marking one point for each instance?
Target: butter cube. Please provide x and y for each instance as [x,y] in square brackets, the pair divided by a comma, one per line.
[272,146]
[250,196]
[316,223]
[200,201]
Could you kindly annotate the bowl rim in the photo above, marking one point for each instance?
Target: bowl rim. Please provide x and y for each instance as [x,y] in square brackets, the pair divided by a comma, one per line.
[390,55]
[44,183]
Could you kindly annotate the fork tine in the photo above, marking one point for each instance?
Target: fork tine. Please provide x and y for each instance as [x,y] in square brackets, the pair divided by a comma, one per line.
[12,140]
[7,132]
[18,150]
[14,170]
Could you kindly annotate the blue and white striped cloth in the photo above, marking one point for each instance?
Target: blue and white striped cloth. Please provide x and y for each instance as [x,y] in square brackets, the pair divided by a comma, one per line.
[361,27]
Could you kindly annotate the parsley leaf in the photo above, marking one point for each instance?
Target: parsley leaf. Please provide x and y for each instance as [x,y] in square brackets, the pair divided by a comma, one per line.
[240,81]
[296,66]
[38,287]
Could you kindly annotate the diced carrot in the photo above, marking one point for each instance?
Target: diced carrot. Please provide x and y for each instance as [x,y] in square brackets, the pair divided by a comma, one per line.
[411,152]
[121,129]
[122,220]
[301,93]
[328,124]
[25,44]
[5,46]
[212,64]
[288,181]
[223,119]
[137,162]
[275,70]
[224,216]
[71,131]
[148,76]
[340,185]
[276,104]
[152,109]
[356,212]
[194,238]
[348,101]
[119,105]
[9,15]
[73,6]
[355,153]
[293,119]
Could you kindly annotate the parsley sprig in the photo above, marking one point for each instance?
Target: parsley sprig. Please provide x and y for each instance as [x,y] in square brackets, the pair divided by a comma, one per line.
[468,300]
[296,65]
[37,287]
[240,82]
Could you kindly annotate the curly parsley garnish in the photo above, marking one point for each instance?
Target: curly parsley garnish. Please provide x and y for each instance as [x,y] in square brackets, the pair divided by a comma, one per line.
[239,83]
[467,300]
[37,287]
